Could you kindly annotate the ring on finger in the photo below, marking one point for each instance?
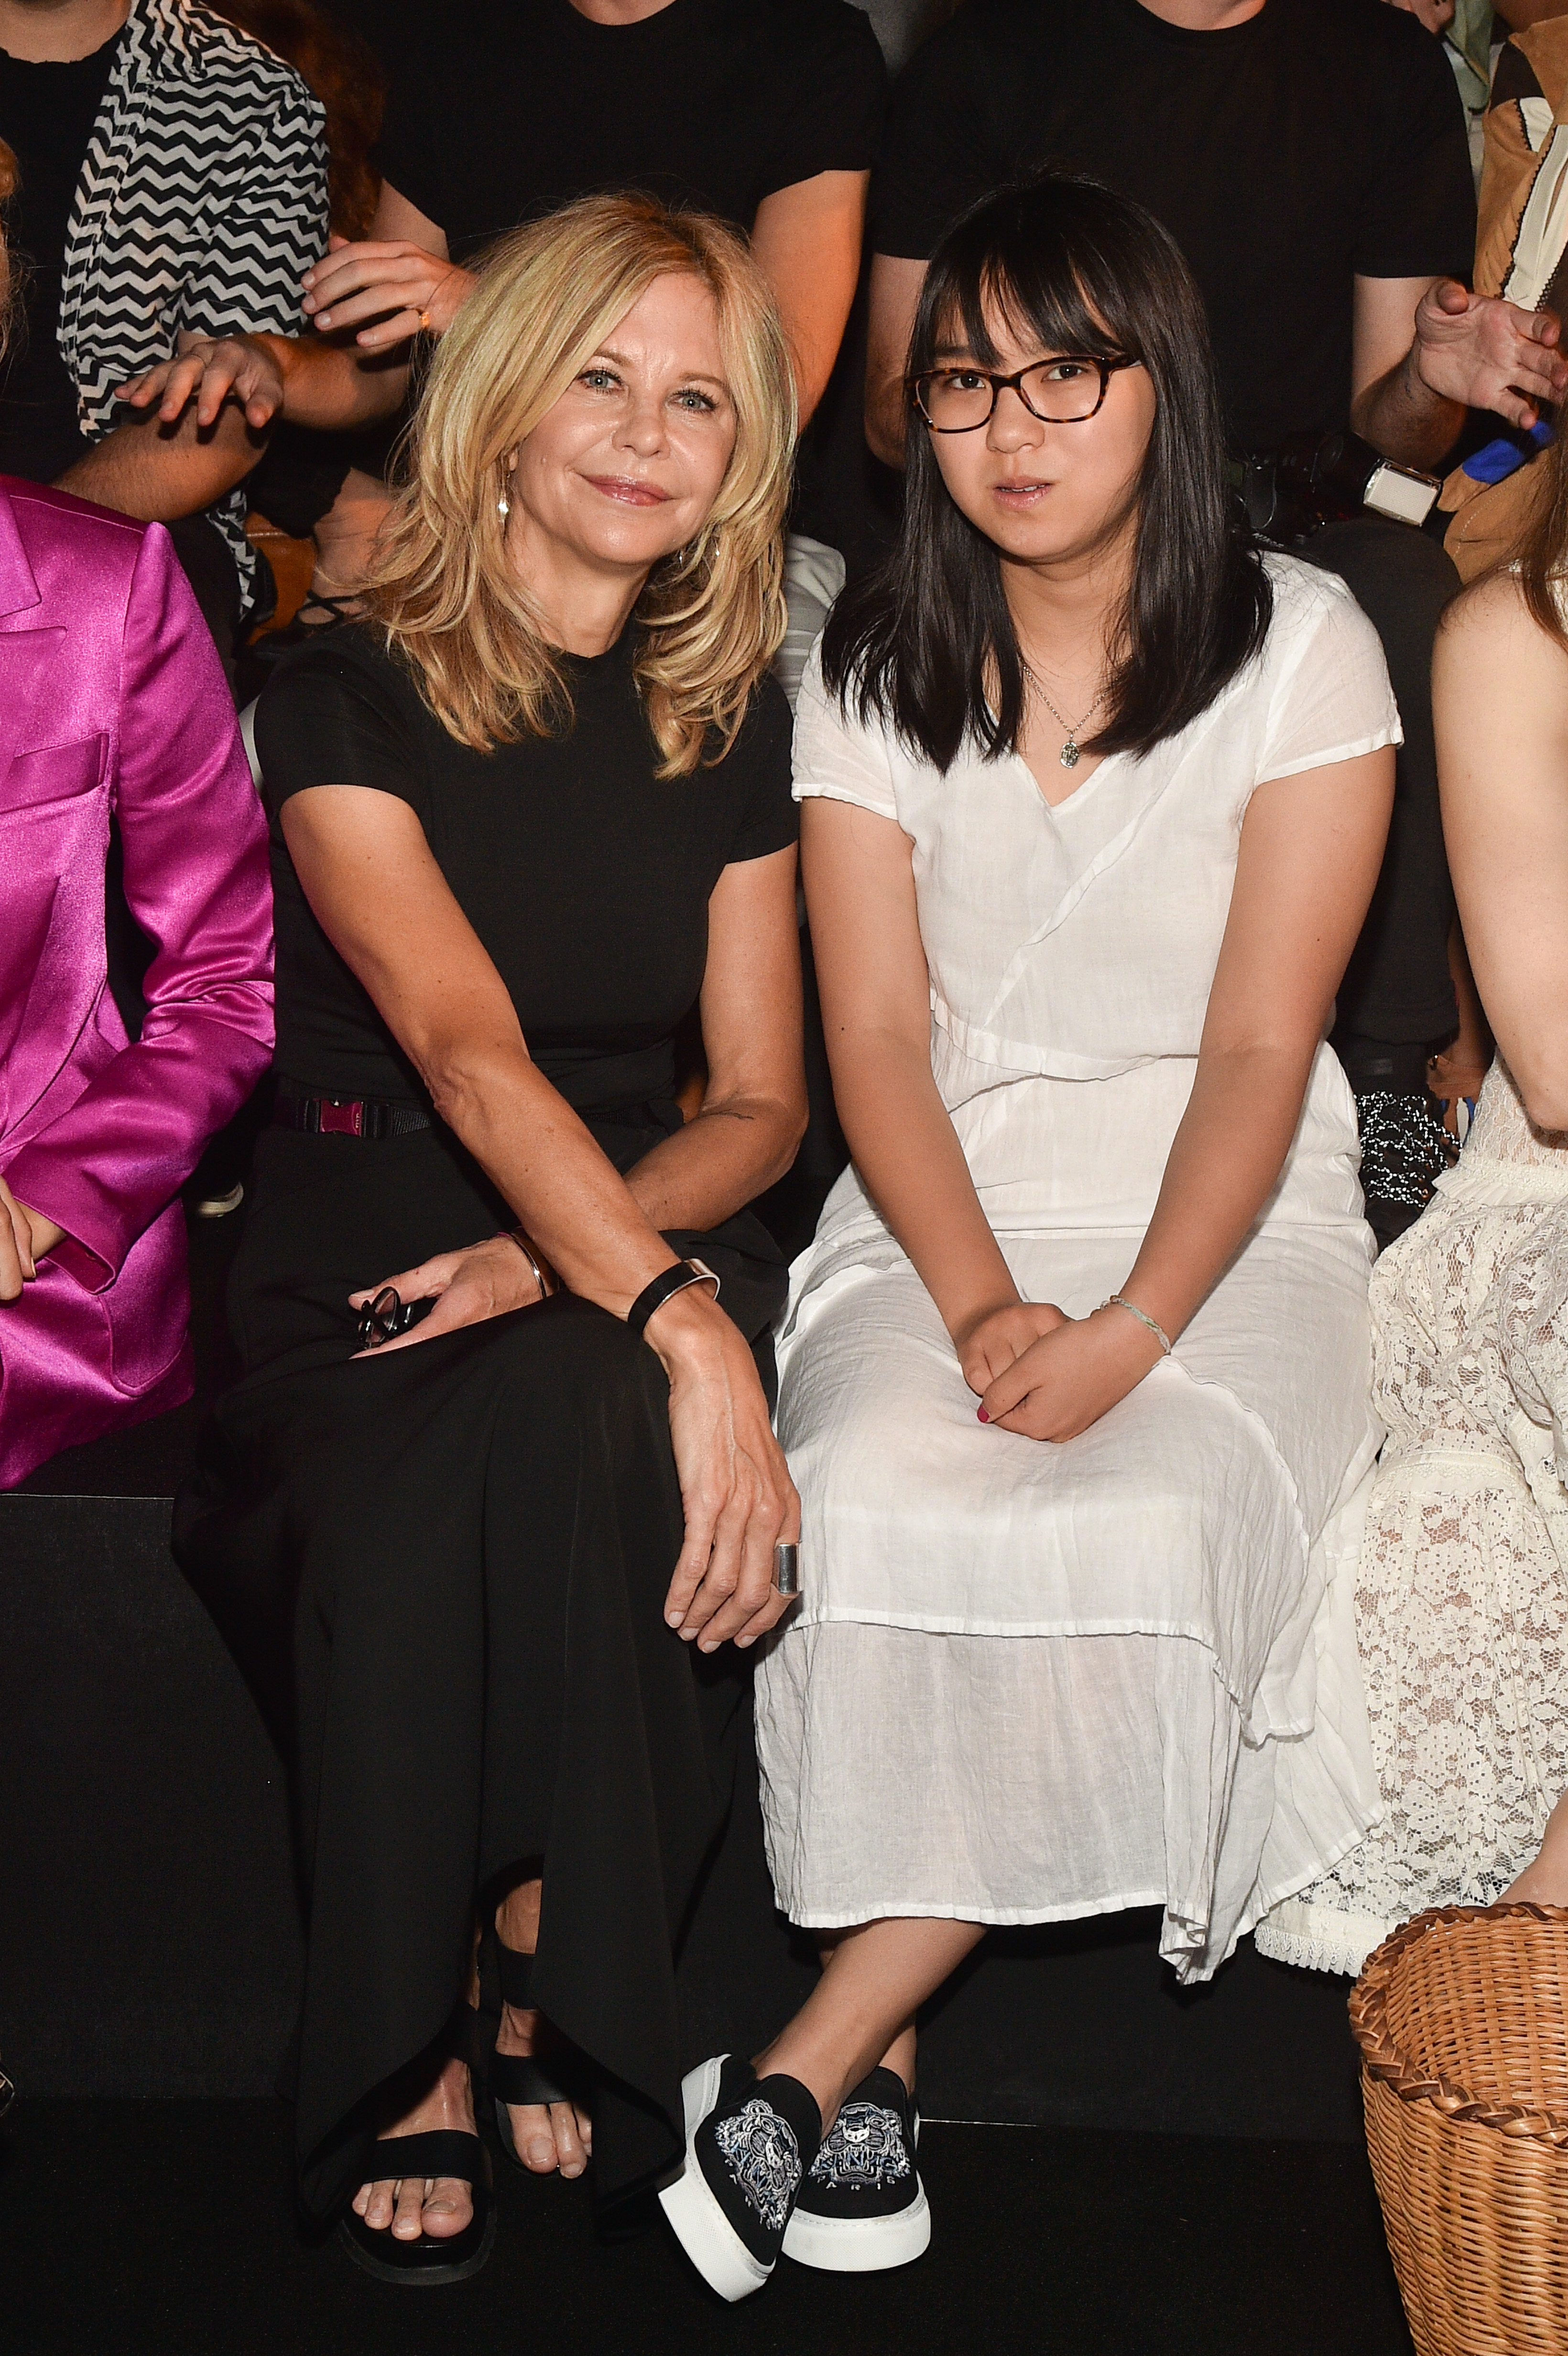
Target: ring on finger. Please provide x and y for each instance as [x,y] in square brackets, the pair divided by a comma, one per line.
[786,1570]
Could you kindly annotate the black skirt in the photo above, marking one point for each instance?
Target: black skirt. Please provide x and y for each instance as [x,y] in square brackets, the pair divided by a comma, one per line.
[444,1572]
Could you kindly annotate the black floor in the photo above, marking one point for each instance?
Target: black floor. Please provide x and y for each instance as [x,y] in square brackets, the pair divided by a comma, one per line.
[169,2226]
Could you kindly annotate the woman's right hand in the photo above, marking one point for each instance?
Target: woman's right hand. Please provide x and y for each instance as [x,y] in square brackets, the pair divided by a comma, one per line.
[16,1264]
[735,1489]
[480,1281]
[212,369]
[989,1346]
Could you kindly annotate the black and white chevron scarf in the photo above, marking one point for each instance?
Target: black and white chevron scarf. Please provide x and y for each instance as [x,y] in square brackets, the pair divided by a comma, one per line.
[202,201]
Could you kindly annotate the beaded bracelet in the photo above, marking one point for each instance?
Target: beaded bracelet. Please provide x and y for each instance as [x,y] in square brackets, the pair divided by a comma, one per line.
[1120,1300]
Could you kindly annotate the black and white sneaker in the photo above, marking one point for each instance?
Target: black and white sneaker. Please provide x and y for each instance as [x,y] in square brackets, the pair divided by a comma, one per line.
[749,2143]
[862,2206]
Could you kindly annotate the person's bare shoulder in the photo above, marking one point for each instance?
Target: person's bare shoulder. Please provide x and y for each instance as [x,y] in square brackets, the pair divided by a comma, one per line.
[1489,612]
[1489,630]
[1499,689]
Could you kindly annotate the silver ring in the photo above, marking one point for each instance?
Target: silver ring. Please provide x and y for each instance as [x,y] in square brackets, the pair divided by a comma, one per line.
[786,1570]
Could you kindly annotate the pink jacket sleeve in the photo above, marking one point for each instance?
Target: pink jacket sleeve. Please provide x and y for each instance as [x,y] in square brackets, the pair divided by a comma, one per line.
[197,881]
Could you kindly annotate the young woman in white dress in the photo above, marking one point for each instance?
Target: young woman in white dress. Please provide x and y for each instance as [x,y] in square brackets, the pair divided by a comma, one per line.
[1462,1592]
[1075,1373]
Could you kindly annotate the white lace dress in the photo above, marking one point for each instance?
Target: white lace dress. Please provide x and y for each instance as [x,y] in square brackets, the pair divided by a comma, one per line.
[1030,1682]
[1462,1591]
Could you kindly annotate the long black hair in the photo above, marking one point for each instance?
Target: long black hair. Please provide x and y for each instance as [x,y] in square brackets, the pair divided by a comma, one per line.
[927,645]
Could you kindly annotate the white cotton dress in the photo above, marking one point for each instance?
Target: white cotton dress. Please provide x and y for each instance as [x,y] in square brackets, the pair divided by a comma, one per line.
[1025,1681]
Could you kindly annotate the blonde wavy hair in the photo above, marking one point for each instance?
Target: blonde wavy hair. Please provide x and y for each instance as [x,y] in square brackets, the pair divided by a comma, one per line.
[442,589]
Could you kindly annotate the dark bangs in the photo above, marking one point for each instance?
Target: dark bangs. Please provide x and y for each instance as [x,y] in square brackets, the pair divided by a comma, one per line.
[927,645]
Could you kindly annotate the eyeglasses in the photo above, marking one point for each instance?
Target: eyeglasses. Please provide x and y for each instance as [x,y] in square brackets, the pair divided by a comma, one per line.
[383,1319]
[1067,391]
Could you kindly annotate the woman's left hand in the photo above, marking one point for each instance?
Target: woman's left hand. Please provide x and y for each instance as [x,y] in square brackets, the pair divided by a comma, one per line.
[387,291]
[482,1280]
[1072,1377]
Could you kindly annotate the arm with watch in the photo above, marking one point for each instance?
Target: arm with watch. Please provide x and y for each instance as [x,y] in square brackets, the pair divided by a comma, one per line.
[583,1225]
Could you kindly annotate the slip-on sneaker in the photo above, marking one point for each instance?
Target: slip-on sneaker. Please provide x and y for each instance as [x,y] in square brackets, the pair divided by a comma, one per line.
[862,2206]
[749,2143]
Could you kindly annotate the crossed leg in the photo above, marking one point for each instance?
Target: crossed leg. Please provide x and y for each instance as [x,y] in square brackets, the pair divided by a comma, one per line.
[862,2010]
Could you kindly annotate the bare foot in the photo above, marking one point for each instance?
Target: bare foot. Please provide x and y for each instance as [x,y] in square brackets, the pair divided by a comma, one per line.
[547,2136]
[438,2206]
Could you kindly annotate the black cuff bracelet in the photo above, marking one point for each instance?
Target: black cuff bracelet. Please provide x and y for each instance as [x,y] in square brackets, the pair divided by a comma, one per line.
[668,1281]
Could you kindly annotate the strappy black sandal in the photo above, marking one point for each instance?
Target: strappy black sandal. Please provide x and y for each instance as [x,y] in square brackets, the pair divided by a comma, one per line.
[440,2151]
[521,2077]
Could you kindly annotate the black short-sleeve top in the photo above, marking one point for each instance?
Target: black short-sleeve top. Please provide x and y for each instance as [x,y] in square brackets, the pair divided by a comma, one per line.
[1315,142]
[499,111]
[585,876]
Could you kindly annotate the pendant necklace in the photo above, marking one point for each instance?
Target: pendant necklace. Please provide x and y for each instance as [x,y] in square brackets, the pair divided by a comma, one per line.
[1070,751]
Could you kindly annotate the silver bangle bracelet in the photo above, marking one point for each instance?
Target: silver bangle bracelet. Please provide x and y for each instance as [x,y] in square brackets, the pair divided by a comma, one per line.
[515,1236]
[1120,1300]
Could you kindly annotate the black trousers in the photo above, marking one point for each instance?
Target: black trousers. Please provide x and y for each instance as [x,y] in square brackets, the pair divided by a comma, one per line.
[445,1570]
[1397,989]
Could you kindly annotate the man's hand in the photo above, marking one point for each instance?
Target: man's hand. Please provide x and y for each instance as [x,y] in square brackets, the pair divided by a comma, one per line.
[1486,353]
[1072,1377]
[211,370]
[401,288]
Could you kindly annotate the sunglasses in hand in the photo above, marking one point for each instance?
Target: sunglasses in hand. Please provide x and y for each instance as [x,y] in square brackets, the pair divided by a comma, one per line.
[386,1316]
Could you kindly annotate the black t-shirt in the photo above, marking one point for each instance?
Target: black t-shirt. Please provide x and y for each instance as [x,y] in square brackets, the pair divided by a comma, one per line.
[47,114]
[498,110]
[585,876]
[1319,141]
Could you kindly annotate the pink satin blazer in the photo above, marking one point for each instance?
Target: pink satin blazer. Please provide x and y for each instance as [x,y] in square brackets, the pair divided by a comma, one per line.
[112,701]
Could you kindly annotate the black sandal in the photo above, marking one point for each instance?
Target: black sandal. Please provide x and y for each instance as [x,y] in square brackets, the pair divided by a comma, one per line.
[440,2151]
[520,2077]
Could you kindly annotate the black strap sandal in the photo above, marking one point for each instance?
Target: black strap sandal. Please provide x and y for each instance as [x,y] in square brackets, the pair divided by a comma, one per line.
[518,2077]
[440,2151]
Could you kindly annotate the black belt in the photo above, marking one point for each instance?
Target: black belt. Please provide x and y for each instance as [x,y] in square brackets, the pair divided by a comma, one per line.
[348,1116]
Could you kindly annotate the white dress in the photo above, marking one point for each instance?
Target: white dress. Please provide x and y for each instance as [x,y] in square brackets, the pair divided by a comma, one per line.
[1462,1592]
[1025,1681]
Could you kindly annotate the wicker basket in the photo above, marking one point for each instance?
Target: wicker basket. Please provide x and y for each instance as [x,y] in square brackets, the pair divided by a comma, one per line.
[1462,2020]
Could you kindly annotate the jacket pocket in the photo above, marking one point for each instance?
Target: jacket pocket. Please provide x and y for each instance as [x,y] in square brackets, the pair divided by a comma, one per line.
[55,773]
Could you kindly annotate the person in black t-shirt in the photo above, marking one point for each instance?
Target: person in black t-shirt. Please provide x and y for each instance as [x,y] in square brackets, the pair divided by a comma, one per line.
[556,751]
[1310,157]
[765,113]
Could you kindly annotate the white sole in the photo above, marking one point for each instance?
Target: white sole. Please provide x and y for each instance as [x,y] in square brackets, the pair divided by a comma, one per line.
[695,2219]
[863,2245]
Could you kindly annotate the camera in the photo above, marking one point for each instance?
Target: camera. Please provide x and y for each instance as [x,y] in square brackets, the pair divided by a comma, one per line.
[1313,480]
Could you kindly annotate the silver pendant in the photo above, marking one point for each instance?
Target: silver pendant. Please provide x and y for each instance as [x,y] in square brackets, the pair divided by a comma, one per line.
[1070,754]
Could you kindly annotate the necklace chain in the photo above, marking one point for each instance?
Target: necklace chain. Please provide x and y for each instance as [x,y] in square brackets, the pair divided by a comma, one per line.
[1069,754]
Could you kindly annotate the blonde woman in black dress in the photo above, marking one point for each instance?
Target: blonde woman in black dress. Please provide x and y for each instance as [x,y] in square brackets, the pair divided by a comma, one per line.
[525,818]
